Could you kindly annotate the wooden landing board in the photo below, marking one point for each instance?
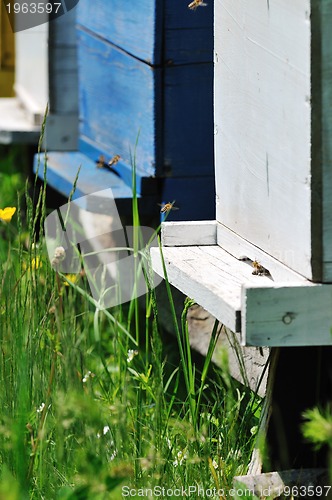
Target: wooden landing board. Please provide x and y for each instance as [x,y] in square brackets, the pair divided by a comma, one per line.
[284,309]
[62,169]
[210,276]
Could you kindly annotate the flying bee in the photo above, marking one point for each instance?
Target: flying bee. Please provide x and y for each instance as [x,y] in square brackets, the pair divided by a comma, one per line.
[114,160]
[196,3]
[101,161]
[168,207]
[259,270]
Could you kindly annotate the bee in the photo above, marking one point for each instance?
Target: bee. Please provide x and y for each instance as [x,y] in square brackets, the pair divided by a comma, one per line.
[259,270]
[196,3]
[114,160]
[101,161]
[168,207]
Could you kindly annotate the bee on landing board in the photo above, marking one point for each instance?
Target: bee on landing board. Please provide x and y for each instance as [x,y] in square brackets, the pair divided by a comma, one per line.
[114,160]
[196,3]
[259,270]
[168,207]
[101,163]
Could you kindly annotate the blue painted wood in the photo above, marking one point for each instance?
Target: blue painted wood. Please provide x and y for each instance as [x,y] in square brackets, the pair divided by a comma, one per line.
[188,119]
[134,26]
[62,169]
[118,99]
[143,69]
[157,32]
[194,196]
[144,185]
[188,34]
[121,97]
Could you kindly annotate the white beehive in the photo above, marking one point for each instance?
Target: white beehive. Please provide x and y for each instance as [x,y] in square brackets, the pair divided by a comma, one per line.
[273,152]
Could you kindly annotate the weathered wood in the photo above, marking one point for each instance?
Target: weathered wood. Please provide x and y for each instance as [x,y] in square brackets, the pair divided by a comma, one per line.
[269,312]
[62,169]
[273,118]
[273,484]
[163,107]
[241,248]
[256,462]
[189,233]
[326,107]
[209,275]
[117,101]
[287,315]
[154,32]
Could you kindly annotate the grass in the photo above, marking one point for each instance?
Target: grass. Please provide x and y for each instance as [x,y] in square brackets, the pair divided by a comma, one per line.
[92,404]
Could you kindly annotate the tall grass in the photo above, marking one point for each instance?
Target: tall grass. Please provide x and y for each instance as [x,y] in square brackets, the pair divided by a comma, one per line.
[91,402]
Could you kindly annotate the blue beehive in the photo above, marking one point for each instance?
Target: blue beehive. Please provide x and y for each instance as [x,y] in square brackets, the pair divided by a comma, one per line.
[146,72]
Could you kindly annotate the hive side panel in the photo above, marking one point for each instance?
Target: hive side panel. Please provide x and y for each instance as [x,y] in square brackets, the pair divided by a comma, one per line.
[188,121]
[129,25]
[287,315]
[263,125]
[326,18]
[117,101]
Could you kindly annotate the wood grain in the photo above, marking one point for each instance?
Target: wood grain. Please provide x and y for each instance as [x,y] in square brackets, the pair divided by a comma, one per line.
[287,315]
[271,87]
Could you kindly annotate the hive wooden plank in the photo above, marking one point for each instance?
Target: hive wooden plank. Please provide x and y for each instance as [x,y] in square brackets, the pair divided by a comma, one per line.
[283,309]
[188,121]
[135,28]
[117,102]
[155,32]
[282,315]
[15,125]
[272,109]
[188,233]
[62,169]
[209,275]
[241,248]
[326,73]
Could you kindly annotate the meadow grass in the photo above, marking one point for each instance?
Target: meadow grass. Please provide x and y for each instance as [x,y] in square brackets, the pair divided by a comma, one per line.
[91,403]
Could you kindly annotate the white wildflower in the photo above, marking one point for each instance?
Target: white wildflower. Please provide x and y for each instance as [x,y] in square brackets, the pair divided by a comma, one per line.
[40,409]
[131,354]
[180,458]
[87,376]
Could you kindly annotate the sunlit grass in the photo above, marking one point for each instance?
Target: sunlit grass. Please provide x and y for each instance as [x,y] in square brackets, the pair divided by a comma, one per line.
[90,401]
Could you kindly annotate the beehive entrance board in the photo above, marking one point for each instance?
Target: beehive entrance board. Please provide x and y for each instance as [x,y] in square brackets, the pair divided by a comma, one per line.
[273,124]
[283,309]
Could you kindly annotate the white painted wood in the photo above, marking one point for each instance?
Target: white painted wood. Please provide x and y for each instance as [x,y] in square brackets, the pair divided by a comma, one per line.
[209,275]
[31,75]
[268,313]
[239,248]
[189,233]
[264,163]
[15,126]
[287,315]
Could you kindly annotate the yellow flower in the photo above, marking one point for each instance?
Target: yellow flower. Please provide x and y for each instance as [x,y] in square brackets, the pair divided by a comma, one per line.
[7,213]
[73,278]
